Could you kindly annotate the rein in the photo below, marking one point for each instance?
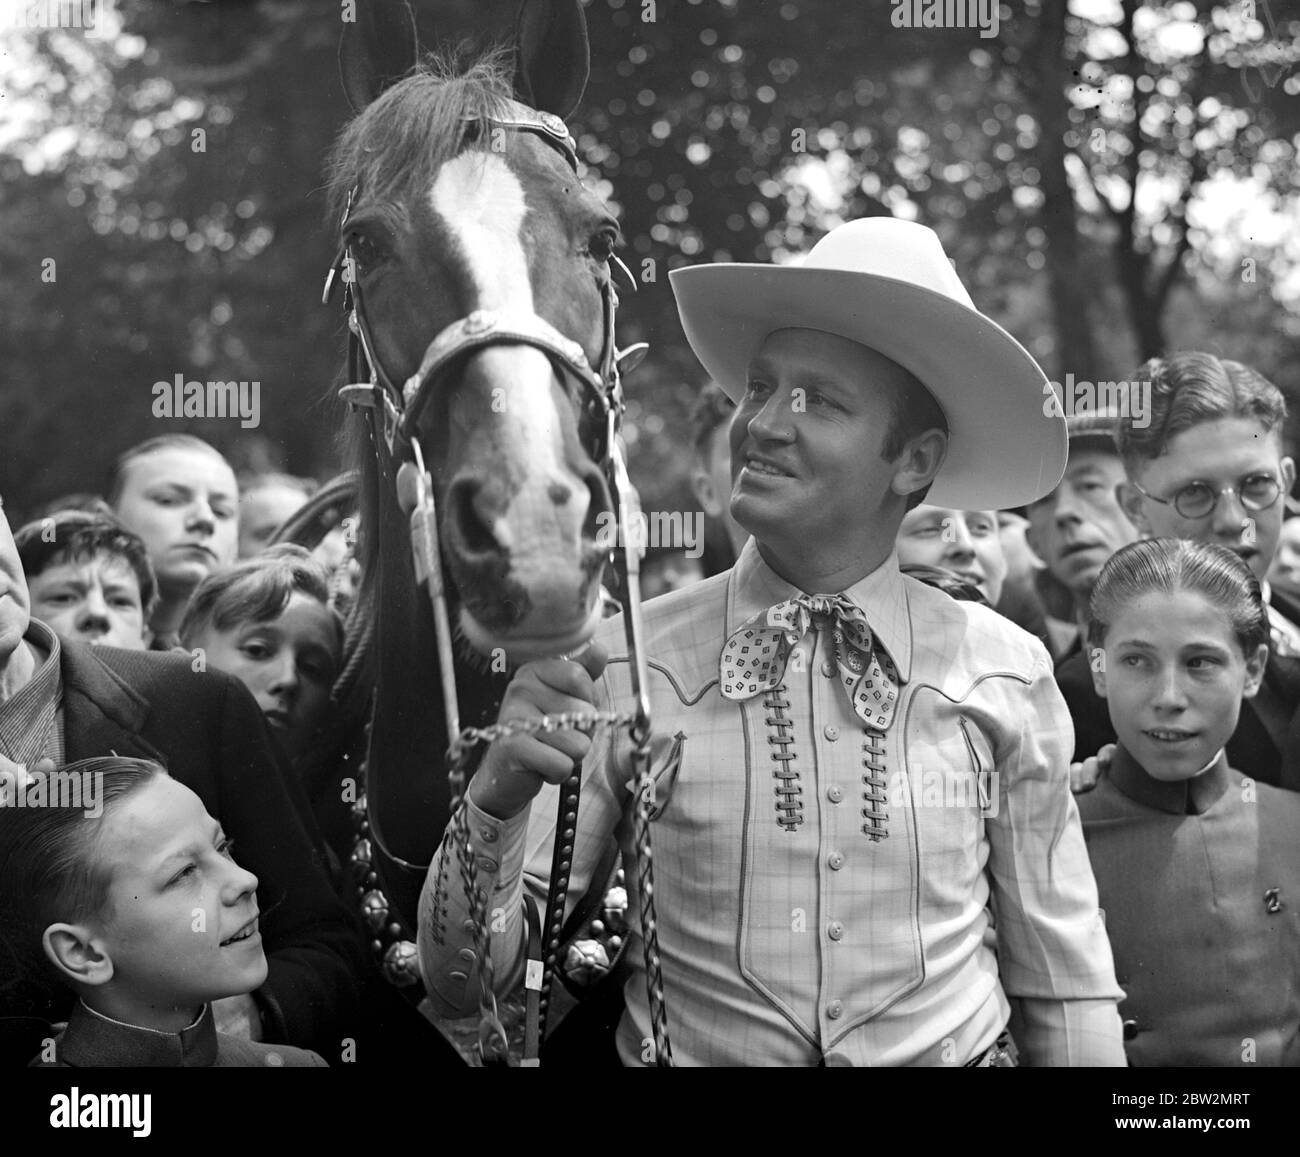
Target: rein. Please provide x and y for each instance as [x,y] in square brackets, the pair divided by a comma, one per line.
[395,412]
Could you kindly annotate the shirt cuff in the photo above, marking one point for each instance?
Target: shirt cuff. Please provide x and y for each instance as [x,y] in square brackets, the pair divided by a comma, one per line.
[498,846]
[1057,1033]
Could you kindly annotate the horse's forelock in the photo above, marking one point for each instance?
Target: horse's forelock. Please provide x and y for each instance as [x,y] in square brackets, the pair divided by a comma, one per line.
[393,148]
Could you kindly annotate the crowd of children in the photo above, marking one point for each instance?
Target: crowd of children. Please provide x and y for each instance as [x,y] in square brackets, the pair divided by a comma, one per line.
[144,913]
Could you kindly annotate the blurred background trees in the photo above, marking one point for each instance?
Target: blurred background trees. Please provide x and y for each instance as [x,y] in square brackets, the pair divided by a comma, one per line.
[1112,178]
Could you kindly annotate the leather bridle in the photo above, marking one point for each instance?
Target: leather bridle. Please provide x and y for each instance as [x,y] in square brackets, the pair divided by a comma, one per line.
[396,410]
[401,407]
[395,415]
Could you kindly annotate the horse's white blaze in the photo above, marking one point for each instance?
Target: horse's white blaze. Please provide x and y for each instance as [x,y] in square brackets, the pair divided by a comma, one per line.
[482,203]
[483,206]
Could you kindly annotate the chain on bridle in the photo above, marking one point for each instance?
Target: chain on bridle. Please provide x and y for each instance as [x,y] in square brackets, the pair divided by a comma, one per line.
[395,414]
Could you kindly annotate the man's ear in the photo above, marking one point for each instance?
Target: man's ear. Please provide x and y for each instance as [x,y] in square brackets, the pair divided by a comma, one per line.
[702,488]
[1255,665]
[79,955]
[1288,476]
[1097,665]
[1130,501]
[919,461]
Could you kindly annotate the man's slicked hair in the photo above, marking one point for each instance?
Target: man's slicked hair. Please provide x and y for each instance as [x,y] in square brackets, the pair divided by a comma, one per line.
[1190,388]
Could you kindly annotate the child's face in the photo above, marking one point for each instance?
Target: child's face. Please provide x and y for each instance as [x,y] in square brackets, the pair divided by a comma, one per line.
[262,512]
[176,899]
[289,664]
[963,541]
[184,505]
[1174,677]
[96,600]
[1221,453]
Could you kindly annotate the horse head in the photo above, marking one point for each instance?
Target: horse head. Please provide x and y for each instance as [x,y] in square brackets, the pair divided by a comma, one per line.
[479,284]
[461,204]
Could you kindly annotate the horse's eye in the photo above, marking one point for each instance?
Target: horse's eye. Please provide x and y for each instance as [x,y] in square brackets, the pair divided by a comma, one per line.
[367,252]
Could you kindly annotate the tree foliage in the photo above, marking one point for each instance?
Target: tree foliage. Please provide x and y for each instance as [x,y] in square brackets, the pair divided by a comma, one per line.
[1082,167]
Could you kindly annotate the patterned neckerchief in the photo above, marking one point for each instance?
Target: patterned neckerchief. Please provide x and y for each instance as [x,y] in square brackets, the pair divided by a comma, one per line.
[754,657]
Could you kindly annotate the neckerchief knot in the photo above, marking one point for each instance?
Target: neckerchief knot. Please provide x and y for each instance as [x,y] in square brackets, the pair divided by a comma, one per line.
[754,657]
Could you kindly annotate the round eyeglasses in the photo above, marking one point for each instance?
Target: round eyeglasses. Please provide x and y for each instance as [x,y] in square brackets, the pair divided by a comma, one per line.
[1197,499]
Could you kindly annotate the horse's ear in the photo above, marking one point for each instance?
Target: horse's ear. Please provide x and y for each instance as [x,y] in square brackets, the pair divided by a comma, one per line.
[378,46]
[552,55]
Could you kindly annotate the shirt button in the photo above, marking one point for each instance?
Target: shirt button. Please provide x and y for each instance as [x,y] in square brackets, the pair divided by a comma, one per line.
[828,668]
[835,794]
[1130,1029]
[488,835]
[835,930]
[831,732]
[458,975]
[836,861]
[487,864]
[466,955]
[835,1009]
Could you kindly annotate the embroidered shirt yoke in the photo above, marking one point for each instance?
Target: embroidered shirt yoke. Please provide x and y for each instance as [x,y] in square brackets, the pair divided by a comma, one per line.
[824,889]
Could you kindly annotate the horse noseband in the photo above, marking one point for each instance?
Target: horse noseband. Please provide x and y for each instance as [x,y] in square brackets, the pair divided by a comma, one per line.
[483,328]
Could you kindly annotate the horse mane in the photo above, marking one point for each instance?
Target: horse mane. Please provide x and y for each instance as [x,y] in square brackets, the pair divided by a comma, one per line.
[391,151]
[395,146]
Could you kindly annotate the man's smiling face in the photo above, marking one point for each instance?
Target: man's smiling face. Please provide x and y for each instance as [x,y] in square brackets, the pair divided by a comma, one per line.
[1221,453]
[807,440]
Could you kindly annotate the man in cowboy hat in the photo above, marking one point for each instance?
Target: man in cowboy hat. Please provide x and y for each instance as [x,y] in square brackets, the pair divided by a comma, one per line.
[861,784]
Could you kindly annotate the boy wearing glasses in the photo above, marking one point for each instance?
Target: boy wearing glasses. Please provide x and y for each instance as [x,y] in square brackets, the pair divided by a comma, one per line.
[1210,467]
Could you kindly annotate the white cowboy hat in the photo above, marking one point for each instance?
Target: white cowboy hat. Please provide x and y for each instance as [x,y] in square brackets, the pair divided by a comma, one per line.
[888,285]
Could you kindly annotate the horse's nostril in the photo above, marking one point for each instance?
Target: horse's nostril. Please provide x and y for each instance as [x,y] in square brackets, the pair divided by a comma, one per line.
[463,509]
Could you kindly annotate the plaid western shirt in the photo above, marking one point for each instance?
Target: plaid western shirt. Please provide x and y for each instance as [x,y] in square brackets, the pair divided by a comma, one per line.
[823,892]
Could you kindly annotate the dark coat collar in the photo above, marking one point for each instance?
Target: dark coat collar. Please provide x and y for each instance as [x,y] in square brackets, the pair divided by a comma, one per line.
[1191,797]
[92,1040]
[102,713]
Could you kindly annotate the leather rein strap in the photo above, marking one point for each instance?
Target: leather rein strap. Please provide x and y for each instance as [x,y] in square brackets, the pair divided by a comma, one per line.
[396,413]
